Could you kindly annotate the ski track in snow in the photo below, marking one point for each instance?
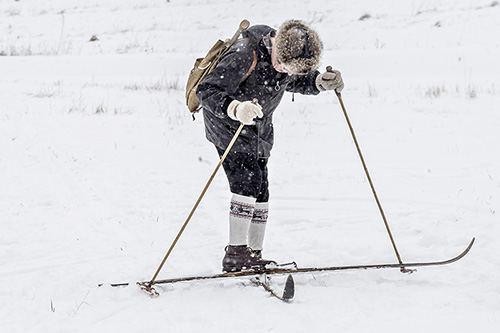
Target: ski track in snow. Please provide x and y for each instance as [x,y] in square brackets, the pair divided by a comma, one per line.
[100,163]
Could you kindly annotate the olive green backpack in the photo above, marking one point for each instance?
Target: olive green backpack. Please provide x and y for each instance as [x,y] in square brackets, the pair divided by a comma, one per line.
[203,66]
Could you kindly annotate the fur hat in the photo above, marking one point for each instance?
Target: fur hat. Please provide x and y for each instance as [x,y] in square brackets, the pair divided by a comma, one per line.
[298,47]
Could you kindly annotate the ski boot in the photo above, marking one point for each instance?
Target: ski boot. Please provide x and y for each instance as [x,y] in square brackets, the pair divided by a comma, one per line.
[256,253]
[240,257]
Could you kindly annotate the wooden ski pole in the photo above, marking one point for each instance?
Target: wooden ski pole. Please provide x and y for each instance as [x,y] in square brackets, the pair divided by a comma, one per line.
[238,131]
[339,96]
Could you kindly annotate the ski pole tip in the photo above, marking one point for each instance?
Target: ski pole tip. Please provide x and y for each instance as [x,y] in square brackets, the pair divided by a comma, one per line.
[407,270]
[147,287]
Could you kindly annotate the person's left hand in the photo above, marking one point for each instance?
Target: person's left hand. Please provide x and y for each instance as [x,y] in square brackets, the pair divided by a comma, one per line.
[330,80]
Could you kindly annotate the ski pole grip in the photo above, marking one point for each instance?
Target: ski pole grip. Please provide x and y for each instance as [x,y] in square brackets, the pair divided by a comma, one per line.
[330,69]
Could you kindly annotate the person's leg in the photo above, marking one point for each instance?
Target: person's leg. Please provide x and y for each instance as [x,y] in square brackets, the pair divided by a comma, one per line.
[258,224]
[257,229]
[245,177]
[244,173]
[241,213]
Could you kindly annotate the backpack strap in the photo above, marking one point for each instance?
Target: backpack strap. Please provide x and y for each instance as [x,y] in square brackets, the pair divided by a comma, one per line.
[254,62]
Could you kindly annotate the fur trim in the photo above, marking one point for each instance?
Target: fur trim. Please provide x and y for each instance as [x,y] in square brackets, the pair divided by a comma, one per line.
[298,47]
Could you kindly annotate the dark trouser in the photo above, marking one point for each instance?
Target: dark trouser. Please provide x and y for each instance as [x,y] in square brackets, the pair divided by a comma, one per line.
[247,174]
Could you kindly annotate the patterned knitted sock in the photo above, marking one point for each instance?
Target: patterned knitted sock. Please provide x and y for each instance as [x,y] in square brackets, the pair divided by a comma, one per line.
[258,224]
[240,215]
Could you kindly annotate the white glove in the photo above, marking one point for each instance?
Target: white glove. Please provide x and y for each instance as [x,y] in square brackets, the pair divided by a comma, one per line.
[244,112]
[330,80]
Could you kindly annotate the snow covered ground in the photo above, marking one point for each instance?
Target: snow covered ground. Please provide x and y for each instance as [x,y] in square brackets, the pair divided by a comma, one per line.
[100,163]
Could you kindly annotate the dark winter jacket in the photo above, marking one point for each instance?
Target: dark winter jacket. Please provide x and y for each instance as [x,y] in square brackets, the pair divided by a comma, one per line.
[223,85]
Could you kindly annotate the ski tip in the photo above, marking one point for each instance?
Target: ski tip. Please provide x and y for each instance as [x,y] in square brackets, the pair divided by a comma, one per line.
[289,291]
[469,246]
[467,249]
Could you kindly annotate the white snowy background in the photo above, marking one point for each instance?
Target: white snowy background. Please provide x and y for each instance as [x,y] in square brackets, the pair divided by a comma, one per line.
[100,164]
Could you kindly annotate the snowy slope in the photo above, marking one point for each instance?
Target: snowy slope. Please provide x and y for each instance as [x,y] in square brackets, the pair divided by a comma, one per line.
[100,163]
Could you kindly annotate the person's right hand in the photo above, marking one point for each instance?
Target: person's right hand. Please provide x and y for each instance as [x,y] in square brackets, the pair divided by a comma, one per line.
[244,112]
